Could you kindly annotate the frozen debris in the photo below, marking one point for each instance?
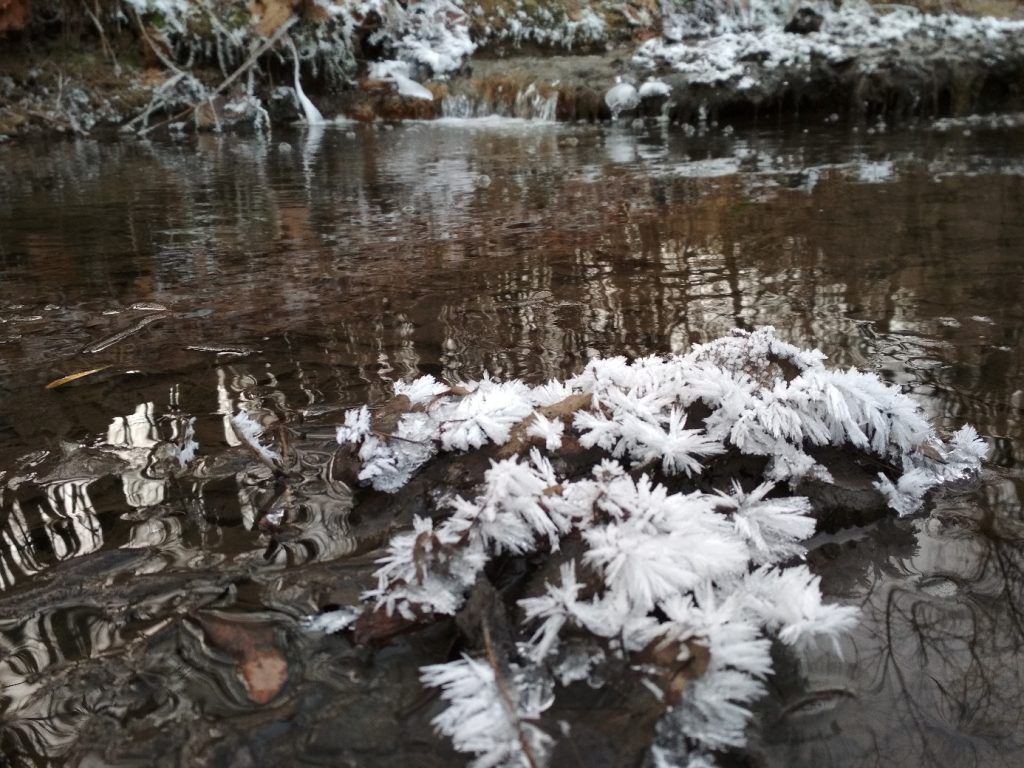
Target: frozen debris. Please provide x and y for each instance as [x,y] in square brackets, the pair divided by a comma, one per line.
[714,48]
[548,25]
[486,716]
[249,431]
[428,37]
[681,576]
[621,97]
[653,88]
[330,622]
[765,397]
[310,114]
[397,72]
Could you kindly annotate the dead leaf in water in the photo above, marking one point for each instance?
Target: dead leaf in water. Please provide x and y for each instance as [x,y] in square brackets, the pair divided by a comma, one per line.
[74,377]
[261,666]
[674,663]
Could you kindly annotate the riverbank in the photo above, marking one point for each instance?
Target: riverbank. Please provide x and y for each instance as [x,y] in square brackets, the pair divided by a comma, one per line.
[148,66]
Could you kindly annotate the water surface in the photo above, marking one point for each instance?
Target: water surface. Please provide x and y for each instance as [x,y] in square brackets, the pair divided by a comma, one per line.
[301,275]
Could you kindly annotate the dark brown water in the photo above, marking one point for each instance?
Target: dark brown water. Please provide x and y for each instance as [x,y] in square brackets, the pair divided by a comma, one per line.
[303,277]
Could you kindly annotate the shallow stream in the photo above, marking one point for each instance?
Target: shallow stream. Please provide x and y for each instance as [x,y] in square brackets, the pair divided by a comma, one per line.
[146,620]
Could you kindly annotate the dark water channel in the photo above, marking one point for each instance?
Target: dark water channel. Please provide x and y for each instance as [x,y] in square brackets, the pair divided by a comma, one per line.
[140,612]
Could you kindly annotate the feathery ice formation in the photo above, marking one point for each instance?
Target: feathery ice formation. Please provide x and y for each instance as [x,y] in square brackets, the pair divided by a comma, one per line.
[649,568]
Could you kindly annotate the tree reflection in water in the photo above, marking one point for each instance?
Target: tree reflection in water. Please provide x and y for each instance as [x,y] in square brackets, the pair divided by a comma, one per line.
[932,675]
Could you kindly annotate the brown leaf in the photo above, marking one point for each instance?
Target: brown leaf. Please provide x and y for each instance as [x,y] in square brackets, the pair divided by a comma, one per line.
[271,14]
[260,665]
[675,662]
[14,14]
[931,452]
[385,419]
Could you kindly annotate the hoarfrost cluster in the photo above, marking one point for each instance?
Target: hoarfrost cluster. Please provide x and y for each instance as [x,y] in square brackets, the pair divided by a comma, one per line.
[711,44]
[419,40]
[660,568]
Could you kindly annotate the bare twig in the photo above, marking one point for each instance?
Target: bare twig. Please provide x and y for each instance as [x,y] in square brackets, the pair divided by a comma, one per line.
[104,42]
[167,62]
[499,680]
[246,65]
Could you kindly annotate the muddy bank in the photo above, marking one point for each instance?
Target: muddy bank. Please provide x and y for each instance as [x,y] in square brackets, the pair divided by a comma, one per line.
[138,68]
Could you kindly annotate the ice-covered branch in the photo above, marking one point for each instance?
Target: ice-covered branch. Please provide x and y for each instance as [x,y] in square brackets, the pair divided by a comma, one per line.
[687,574]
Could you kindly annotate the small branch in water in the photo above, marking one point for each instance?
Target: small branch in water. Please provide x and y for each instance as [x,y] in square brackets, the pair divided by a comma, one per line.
[116,338]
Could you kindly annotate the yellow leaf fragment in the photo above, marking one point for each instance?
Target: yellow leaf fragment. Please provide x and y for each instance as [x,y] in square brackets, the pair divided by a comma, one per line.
[74,377]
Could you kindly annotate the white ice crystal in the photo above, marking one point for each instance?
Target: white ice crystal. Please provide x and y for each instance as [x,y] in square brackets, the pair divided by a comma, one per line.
[397,72]
[486,717]
[547,430]
[773,528]
[788,602]
[421,390]
[677,568]
[408,579]
[554,609]
[510,514]
[906,495]
[653,88]
[485,415]
[249,432]
[331,622]
[621,97]
[712,47]
[548,394]
[356,427]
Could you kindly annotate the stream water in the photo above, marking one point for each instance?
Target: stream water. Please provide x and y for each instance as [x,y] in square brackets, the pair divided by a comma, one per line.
[150,620]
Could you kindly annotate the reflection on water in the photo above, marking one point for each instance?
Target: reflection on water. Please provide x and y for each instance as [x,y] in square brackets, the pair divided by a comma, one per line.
[304,274]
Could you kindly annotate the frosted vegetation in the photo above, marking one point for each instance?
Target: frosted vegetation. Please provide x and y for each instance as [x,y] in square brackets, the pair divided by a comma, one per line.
[657,560]
[710,46]
[710,42]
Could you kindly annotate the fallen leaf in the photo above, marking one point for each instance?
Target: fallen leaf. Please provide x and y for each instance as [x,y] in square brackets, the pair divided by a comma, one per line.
[271,14]
[14,14]
[74,377]
[676,662]
[261,666]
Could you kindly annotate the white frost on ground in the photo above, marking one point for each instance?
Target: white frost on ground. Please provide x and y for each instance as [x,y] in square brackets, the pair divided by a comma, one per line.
[662,569]
[733,48]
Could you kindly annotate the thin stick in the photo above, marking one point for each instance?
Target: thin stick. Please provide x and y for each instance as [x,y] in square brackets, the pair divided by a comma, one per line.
[499,680]
[156,49]
[107,48]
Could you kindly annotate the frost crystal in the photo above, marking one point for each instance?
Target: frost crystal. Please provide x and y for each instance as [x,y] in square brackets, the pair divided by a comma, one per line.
[664,561]
[249,431]
[486,716]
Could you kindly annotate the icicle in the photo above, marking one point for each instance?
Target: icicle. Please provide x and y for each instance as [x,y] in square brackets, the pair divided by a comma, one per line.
[311,115]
